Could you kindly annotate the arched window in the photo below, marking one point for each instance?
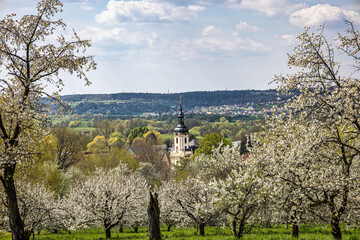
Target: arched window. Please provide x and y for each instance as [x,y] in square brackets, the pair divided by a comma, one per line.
[185,140]
[177,140]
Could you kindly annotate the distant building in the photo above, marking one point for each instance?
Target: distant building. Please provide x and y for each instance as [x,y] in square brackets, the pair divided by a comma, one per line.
[182,147]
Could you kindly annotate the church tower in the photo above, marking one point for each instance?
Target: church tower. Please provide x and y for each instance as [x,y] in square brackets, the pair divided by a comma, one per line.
[181,147]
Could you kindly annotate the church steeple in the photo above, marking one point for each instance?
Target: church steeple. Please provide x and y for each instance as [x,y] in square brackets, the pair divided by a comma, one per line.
[181,147]
[180,128]
[181,115]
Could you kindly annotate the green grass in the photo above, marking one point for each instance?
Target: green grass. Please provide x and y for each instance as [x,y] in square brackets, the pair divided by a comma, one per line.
[320,232]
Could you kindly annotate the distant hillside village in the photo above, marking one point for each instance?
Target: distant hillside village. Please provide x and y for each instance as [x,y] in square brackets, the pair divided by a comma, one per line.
[237,109]
[241,102]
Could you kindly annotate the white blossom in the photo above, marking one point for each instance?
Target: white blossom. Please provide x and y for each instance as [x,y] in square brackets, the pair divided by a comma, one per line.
[105,198]
[313,149]
[195,198]
[237,185]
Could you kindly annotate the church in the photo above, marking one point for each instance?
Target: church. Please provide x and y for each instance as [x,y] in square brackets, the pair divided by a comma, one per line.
[182,147]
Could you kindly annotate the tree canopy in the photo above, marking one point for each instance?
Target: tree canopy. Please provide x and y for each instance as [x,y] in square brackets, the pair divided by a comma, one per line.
[313,149]
[210,142]
[30,63]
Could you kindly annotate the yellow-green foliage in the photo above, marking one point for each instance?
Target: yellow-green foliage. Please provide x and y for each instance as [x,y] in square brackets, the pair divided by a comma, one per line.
[44,170]
[99,144]
[72,176]
[50,176]
[195,131]
[210,142]
[159,139]
[107,161]
[116,140]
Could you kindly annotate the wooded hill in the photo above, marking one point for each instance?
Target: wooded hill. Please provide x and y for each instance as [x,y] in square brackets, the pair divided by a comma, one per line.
[138,103]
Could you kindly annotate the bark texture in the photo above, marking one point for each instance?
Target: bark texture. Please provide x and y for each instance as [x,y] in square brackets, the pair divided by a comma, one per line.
[108,232]
[335,228]
[202,229]
[295,231]
[154,218]
[240,233]
[16,223]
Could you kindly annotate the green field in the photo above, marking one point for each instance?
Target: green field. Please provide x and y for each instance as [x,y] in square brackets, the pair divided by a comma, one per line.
[211,233]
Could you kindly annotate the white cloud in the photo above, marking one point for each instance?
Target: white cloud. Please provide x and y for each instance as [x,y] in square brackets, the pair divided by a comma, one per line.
[146,11]
[196,8]
[287,39]
[229,44]
[270,7]
[119,35]
[84,6]
[216,42]
[211,43]
[245,26]
[210,30]
[320,14]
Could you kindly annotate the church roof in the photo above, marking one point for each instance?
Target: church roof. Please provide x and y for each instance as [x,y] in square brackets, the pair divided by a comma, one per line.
[181,128]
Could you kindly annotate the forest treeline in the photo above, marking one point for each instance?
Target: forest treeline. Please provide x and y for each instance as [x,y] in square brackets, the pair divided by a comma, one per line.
[137,103]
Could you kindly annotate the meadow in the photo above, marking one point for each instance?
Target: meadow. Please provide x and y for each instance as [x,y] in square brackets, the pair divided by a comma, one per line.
[319,232]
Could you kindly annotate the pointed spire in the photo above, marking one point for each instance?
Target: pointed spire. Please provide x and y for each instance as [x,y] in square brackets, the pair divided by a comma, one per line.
[181,126]
[181,114]
[180,107]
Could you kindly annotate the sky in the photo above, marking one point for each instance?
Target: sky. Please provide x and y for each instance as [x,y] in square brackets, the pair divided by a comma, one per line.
[173,46]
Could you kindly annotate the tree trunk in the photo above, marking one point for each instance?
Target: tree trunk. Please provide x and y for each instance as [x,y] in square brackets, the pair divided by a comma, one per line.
[28,234]
[241,229]
[16,223]
[234,228]
[202,229]
[108,225]
[154,218]
[169,228]
[121,229]
[136,229]
[335,228]
[295,230]
[108,232]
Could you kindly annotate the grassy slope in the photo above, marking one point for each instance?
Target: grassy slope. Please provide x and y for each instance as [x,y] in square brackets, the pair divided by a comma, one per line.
[211,233]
